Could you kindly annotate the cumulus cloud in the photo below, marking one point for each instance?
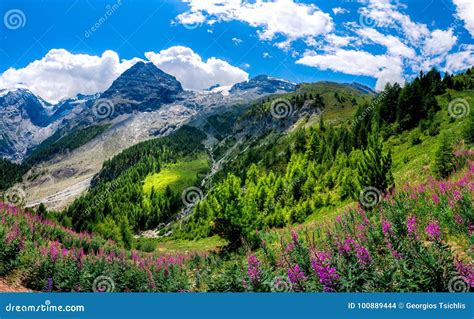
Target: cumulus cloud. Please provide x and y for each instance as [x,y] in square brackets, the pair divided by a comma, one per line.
[440,42]
[280,17]
[339,10]
[465,11]
[194,73]
[383,13]
[392,43]
[383,67]
[61,74]
[409,46]
[460,61]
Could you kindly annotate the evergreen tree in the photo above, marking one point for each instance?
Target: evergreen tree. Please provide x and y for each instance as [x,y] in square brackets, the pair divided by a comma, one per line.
[42,211]
[468,132]
[321,123]
[444,157]
[375,169]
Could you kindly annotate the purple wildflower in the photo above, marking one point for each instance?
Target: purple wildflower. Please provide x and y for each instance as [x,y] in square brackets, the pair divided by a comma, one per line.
[386,226]
[363,255]
[466,271]
[294,236]
[411,225]
[53,252]
[48,287]
[436,199]
[323,268]
[457,195]
[442,187]
[253,270]
[296,275]
[433,231]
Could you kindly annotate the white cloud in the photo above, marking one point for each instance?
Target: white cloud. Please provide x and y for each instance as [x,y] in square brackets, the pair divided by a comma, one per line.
[460,61]
[465,11]
[392,43]
[336,41]
[266,55]
[382,13]
[194,73]
[61,74]
[237,41]
[439,42]
[383,67]
[280,17]
[339,10]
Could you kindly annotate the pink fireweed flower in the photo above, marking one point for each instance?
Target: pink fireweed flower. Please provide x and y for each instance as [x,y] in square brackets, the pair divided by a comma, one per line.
[151,281]
[436,199]
[442,187]
[411,225]
[433,230]
[386,226]
[135,256]
[13,234]
[294,236]
[457,195]
[289,248]
[296,275]
[323,268]
[253,270]
[363,256]
[360,231]
[466,271]
[458,219]
[54,251]
[421,189]
[346,248]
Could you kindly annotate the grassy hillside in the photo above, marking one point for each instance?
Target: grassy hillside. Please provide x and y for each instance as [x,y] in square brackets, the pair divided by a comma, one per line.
[414,240]
[177,176]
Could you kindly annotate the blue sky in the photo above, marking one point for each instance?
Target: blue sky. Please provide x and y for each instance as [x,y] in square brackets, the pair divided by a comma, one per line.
[56,47]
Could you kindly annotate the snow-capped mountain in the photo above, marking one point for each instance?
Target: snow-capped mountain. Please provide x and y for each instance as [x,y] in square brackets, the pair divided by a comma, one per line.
[27,120]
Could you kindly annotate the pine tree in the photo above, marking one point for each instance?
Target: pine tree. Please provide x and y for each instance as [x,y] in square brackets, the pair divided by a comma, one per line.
[375,170]
[321,123]
[444,156]
[468,132]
